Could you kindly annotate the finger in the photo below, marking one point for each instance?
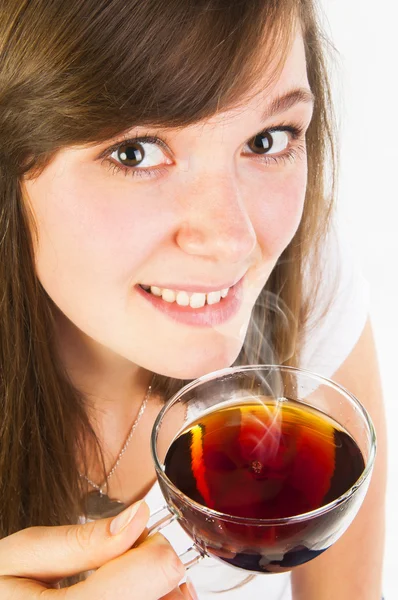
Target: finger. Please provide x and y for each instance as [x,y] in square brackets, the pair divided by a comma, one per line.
[192,590]
[150,571]
[176,594]
[52,553]
[185,592]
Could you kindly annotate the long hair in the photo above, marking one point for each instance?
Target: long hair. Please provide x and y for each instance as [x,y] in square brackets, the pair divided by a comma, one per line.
[76,73]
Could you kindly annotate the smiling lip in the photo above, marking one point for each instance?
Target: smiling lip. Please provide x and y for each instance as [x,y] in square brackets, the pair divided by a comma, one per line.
[204,289]
[208,315]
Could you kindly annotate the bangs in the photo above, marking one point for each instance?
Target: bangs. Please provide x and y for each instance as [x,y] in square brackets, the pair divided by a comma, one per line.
[197,59]
[98,68]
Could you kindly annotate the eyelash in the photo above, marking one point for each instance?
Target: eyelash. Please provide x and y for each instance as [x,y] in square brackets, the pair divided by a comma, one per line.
[290,154]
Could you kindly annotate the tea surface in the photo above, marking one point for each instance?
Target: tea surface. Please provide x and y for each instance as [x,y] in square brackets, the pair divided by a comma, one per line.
[264,460]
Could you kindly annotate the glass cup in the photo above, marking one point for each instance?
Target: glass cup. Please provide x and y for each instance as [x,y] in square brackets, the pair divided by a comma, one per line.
[261,545]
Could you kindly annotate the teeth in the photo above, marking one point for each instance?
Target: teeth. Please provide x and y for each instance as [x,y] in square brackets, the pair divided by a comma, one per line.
[213,297]
[182,299]
[168,295]
[196,300]
[156,291]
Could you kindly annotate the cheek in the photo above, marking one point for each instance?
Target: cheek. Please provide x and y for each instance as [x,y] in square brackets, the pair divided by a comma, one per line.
[278,210]
[90,231]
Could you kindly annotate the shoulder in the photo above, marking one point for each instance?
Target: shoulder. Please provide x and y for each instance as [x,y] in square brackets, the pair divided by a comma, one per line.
[341,305]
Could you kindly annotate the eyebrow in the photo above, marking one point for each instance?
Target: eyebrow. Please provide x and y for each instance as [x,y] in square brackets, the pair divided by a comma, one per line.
[283,103]
[278,105]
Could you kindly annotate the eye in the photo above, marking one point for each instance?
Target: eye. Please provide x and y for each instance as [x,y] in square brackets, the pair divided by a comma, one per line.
[269,142]
[145,156]
[139,154]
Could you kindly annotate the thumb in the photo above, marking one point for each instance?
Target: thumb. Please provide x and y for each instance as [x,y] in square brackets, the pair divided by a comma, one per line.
[49,554]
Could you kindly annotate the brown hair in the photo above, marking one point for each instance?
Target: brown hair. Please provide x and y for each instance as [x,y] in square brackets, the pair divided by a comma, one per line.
[75,73]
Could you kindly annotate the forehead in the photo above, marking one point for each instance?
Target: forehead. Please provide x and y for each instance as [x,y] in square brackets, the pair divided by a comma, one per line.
[294,71]
[292,74]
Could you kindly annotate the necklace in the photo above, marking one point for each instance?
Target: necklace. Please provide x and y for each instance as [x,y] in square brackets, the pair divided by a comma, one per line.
[98,504]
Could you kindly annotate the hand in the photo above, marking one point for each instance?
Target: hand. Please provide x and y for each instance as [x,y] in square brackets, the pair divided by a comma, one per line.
[34,560]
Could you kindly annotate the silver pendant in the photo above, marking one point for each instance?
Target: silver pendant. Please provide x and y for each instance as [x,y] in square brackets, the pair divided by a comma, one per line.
[100,506]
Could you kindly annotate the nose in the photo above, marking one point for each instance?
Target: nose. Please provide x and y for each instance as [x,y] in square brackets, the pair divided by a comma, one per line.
[217,223]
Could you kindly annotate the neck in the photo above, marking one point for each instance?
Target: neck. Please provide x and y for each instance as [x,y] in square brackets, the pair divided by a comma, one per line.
[109,383]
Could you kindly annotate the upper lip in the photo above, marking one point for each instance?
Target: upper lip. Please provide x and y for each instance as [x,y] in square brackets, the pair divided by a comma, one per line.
[195,288]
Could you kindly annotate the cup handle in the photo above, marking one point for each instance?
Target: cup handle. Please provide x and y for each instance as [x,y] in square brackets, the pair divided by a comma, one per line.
[163,517]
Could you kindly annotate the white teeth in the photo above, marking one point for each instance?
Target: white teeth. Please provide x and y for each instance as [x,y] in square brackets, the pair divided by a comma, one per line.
[182,299]
[156,291]
[197,300]
[168,295]
[213,297]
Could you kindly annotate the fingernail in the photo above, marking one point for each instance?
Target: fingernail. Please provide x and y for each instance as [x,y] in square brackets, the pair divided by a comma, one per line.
[123,519]
[192,590]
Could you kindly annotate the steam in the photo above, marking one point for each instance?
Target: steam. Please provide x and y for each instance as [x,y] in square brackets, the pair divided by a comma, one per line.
[265,387]
[272,304]
[264,443]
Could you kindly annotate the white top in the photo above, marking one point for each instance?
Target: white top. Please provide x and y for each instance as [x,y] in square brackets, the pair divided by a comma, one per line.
[327,346]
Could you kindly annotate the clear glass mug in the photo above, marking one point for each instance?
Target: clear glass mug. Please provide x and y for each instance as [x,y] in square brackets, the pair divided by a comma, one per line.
[260,545]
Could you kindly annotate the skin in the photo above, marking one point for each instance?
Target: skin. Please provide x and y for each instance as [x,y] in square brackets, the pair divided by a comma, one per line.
[205,220]
[214,215]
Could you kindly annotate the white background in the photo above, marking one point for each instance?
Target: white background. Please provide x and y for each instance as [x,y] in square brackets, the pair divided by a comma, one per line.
[365,85]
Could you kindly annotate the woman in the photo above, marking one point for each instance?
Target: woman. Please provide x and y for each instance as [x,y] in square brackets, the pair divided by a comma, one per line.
[154,155]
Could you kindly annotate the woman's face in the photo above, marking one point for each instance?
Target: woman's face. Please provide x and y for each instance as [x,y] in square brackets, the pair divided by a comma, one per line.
[216,204]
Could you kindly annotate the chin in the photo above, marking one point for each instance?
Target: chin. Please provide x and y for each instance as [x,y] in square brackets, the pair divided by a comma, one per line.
[192,365]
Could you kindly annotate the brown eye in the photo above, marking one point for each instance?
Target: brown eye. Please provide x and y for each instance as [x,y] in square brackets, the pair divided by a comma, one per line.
[269,142]
[262,142]
[130,155]
[137,154]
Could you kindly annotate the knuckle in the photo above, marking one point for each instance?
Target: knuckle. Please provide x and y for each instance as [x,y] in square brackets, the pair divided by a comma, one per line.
[79,537]
[169,563]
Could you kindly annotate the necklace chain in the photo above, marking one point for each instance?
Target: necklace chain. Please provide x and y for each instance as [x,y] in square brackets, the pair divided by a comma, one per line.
[126,443]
